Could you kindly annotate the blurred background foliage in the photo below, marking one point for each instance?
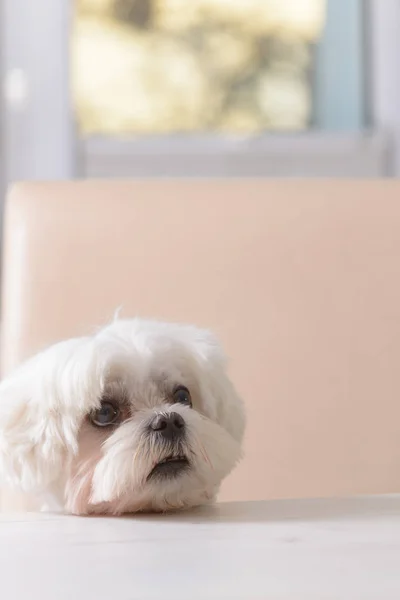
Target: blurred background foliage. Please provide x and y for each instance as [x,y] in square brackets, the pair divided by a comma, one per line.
[165,66]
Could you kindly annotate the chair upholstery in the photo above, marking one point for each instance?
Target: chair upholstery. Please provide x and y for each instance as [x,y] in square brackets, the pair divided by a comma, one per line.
[300,280]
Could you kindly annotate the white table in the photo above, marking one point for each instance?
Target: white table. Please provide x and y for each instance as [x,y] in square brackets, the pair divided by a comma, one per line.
[303,550]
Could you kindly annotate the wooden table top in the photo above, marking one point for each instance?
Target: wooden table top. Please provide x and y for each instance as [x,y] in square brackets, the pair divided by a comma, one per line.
[280,550]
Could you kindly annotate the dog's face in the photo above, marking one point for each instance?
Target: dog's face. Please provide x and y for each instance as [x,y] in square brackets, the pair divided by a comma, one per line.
[140,416]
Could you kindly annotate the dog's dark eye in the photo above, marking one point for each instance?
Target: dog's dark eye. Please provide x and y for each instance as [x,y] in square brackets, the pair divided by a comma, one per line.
[182,396]
[107,414]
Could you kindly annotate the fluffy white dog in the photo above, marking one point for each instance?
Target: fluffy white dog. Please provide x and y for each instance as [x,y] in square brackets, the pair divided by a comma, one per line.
[139,417]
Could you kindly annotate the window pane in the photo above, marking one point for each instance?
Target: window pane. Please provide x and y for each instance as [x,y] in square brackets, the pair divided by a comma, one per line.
[163,66]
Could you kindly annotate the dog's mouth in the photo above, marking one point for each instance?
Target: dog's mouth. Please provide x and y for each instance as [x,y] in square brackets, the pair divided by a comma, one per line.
[169,467]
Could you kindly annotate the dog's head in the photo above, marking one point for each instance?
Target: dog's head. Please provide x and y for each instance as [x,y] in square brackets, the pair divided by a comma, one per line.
[141,416]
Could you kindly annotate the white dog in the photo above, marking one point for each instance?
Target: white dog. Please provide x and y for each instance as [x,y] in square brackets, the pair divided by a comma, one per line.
[139,417]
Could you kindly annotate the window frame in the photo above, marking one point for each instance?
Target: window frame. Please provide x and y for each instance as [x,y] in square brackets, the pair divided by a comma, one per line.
[384,82]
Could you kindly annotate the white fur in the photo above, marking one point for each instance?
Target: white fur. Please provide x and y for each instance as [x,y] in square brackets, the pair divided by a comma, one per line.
[47,443]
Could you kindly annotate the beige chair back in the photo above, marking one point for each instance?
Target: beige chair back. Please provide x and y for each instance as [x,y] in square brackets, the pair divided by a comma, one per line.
[300,279]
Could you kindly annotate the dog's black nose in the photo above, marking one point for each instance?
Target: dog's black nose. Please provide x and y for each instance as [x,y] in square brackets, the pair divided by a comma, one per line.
[170,425]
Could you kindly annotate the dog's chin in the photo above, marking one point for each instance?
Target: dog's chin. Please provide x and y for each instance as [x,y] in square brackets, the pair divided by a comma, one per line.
[171,485]
[157,501]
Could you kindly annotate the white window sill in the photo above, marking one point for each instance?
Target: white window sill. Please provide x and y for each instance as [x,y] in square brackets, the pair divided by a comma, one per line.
[301,155]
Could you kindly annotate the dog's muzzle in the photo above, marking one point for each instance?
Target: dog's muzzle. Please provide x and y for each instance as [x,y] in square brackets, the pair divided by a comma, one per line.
[170,427]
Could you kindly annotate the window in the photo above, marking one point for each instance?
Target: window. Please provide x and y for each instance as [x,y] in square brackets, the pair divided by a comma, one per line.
[111,88]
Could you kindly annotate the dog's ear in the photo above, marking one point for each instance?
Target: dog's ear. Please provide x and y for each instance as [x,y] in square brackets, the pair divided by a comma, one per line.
[42,404]
[218,392]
